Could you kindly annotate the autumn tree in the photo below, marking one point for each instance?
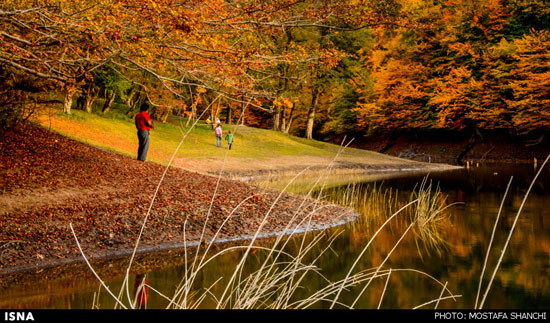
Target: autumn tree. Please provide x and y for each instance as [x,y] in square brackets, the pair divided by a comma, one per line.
[530,82]
[459,65]
[343,80]
[180,43]
[324,67]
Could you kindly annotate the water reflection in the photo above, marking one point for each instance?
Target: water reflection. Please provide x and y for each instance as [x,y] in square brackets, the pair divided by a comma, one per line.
[472,197]
[522,281]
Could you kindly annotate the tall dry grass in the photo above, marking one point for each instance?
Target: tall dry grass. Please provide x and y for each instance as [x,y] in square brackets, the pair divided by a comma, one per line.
[273,284]
[430,216]
[479,303]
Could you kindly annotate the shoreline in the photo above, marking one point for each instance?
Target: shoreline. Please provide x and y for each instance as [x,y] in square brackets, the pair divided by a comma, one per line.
[262,175]
[51,181]
[177,247]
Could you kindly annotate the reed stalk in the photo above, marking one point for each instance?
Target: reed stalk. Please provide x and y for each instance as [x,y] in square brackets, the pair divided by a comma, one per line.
[503,251]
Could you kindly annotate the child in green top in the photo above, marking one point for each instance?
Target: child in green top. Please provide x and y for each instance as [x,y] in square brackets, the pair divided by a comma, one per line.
[229,139]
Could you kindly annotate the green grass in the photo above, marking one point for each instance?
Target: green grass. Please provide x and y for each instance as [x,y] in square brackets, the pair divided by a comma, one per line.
[115,131]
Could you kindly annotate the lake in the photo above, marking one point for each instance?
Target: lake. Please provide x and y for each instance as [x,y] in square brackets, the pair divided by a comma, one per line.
[440,260]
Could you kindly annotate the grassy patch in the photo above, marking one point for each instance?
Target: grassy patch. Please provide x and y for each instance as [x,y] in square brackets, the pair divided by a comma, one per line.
[115,131]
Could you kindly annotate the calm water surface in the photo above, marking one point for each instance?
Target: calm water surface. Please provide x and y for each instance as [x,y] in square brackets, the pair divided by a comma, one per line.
[473,197]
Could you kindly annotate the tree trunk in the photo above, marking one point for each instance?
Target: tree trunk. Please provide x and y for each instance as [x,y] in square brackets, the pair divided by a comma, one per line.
[310,122]
[243,116]
[88,103]
[134,93]
[243,111]
[213,112]
[228,116]
[311,113]
[89,98]
[68,100]
[279,118]
[165,112]
[109,99]
[192,115]
[283,121]
[276,119]
[286,128]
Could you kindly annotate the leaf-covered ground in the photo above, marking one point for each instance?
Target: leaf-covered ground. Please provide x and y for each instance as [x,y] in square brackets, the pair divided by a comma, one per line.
[48,181]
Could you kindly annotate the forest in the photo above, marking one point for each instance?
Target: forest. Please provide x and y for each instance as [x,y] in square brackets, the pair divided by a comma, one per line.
[463,86]
[317,69]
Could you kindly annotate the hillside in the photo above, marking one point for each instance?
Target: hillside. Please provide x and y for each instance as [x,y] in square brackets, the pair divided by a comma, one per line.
[49,181]
[255,151]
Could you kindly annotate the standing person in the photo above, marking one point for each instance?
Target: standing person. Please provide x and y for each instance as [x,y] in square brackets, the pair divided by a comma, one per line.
[143,125]
[218,133]
[229,139]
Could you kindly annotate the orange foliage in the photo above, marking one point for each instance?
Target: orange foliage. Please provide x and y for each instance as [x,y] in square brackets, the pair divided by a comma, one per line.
[454,69]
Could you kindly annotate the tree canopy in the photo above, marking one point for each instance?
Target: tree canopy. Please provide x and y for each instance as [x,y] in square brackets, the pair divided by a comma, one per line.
[313,68]
[461,64]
